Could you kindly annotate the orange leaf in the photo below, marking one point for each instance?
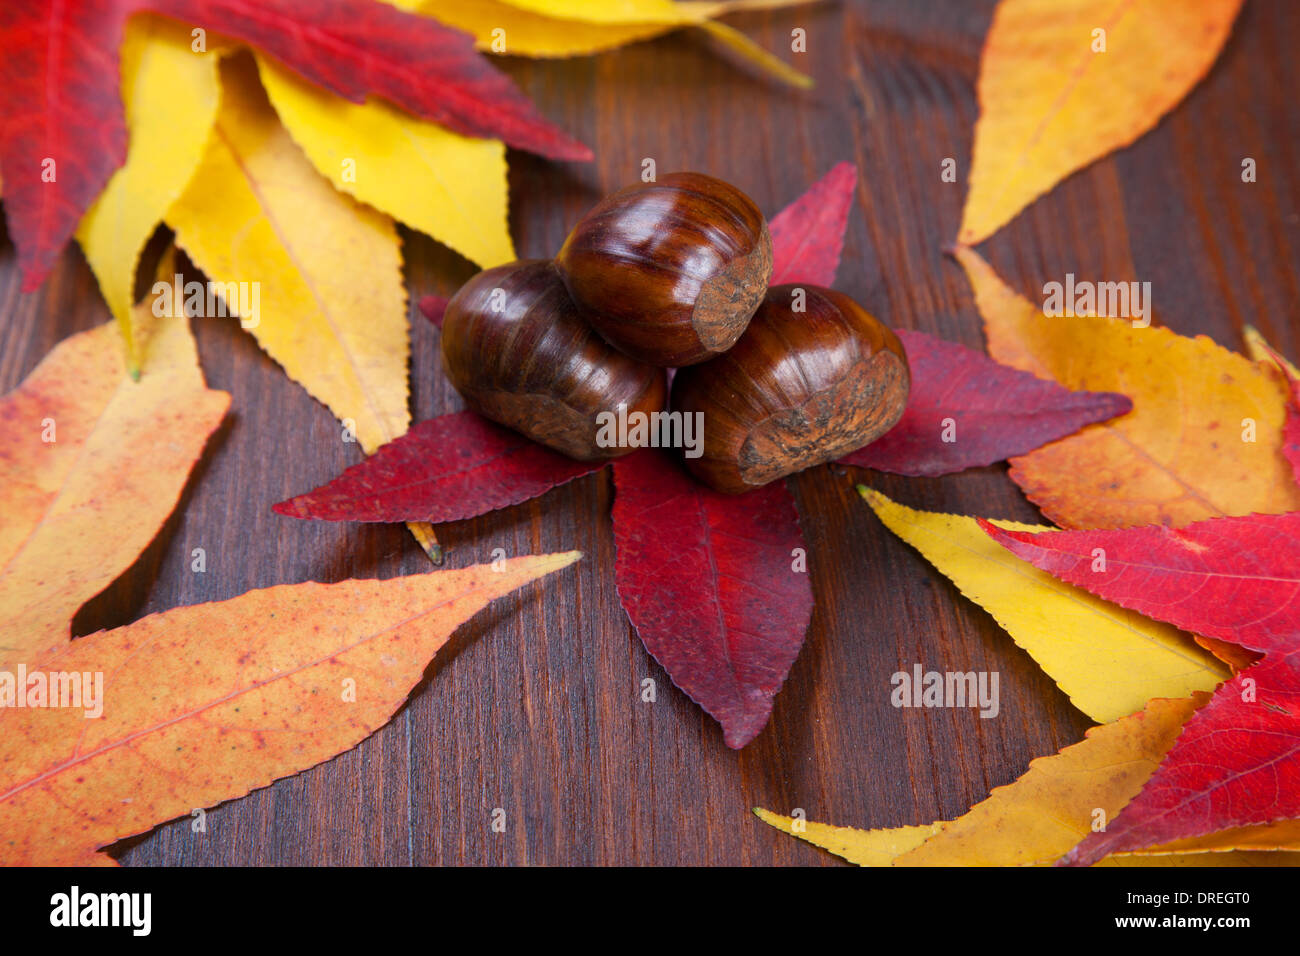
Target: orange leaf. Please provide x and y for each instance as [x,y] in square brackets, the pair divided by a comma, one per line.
[91,465]
[1064,82]
[1204,438]
[205,703]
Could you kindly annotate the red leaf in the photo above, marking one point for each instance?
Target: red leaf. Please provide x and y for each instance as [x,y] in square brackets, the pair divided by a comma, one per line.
[59,103]
[434,308]
[1237,579]
[59,90]
[444,469]
[996,412]
[707,580]
[808,235]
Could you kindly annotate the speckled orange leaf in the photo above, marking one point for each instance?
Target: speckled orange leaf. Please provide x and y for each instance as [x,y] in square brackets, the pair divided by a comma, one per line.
[78,510]
[1055,94]
[1204,438]
[205,703]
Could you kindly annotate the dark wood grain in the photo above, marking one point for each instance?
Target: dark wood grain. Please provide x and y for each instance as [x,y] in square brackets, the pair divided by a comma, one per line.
[535,706]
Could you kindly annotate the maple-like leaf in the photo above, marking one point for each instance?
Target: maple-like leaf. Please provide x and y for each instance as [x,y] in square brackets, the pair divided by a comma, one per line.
[713,585]
[87,455]
[1108,660]
[1055,803]
[61,126]
[1234,579]
[444,469]
[195,705]
[1063,85]
[965,410]
[1203,439]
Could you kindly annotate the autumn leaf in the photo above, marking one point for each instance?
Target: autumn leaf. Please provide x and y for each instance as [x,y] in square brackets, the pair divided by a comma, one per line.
[713,586]
[1261,351]
[444,469]
[1063,87]
[195,705]
[171,98]
[375,152]
[808,235]
[88,455]
[206,703]
[332,306]
[1203,439]
[559,28]
[965,410]
[1234,579]
[1108,660]
[61,110]
[1058,801]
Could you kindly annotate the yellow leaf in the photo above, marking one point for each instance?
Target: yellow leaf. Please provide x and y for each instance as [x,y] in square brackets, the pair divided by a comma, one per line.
[327,270]
[1257,348]
[560,28]
[863,847]
[601,11]
[92,465]
[1108,660]
[448,186]
[1204,438]
[171,97]
[1051,103]
[1054,805]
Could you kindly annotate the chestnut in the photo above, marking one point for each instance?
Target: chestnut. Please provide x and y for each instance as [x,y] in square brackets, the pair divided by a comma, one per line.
[516,349]
[670,272]
[813,378]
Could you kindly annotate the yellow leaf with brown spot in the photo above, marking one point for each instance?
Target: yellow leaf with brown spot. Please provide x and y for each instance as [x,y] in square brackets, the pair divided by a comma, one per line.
[1204,438]
[1064,82]
[205,703]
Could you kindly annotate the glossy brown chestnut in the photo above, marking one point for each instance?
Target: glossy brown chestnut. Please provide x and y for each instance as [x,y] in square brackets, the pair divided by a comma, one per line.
[516,349]
[798,389]
[670,272]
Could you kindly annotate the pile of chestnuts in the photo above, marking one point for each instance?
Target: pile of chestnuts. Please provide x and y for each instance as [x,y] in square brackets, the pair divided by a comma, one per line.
[673,274]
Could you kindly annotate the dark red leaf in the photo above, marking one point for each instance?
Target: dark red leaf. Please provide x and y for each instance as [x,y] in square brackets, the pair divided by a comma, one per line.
[1236,579]
[434,308]
[990,411]
[708,581]
[808,235]
[444,469]
[60,100]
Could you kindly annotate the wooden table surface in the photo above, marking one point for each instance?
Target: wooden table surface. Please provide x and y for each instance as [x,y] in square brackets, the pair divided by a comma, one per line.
[534,707]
